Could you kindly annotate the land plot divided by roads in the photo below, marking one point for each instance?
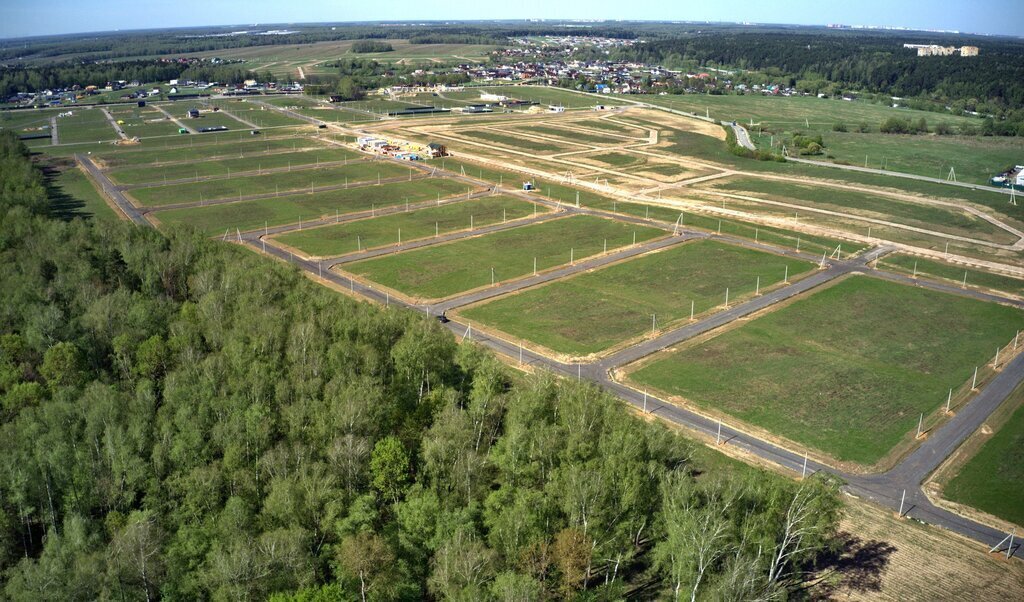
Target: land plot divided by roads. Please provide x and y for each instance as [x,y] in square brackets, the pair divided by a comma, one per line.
[594,311]
[232,164]
[991,480]
[391,229]
[288,209]
[444,270]
[847,370]
[953,274]
[854,203]
[287,181]
[191,149]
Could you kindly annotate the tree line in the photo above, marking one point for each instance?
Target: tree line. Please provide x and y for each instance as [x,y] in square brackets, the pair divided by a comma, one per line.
[183,419]
[65,75]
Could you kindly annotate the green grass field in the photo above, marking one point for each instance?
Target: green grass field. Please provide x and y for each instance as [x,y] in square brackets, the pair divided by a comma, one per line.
[85,125]
[171,151]
[421,223]
[846,370]
[539,94]
[591,312]
[249,215]
[519,143]
[567,194]
[293,181]
[226,166]
[991,480]
[953,274]
[262,117]
[448,269]
[209,119]
[568,135]
[941,219]
[72,194]
[617,159]
[797,112]
[975,158]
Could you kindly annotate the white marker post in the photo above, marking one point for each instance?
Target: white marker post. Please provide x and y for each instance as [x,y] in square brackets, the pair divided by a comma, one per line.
[902,499]
[692,303]
[645,401]
[974,383]
[920,424]
[718,438]
[803,473]
[949,398]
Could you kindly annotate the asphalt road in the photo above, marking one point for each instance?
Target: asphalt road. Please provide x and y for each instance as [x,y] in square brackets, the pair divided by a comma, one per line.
[126,207]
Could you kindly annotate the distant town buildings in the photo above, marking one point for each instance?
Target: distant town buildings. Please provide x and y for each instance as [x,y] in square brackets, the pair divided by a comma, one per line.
[936,50]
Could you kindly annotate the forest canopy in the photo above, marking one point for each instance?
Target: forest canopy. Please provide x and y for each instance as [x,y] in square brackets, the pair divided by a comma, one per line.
[184,419]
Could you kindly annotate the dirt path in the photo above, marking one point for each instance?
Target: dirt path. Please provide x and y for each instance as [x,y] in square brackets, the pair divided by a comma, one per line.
[113,124]
[176,121]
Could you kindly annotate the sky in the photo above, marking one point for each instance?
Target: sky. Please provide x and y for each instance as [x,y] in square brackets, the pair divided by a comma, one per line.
[22,18]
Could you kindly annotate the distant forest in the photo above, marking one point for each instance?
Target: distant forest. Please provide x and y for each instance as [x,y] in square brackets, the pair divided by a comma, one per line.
[992,81]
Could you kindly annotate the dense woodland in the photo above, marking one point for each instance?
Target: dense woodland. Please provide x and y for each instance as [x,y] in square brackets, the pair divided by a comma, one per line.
[992,82]
[182,419]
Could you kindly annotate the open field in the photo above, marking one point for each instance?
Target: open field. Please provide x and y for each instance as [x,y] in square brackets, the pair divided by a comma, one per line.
[72,194]
[331,115]
[797,112]
[421,223]
[975,158]
[208,119]
[226,166]
[593,311]
[875,206]
[539,94]
[153,154]
[846,370]
[887,559]
[512,141]
[991,480]
[567,194]
[287,181]
[953,274]
[448,269]
[249,215]
[256,114]
[564,134]
[85,125]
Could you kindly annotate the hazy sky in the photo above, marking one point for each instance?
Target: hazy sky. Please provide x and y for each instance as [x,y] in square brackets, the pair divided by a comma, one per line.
[19,18]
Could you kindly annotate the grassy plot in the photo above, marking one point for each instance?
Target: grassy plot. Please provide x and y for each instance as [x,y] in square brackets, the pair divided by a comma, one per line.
[594,311]
[421,223]
[85,125]
[975,158]
[517,142]
[288,181]
[618,159]
[449,269]
[796,112]
[567,135]
[71,193]
[847,370]
[854,202]
[991,480]
[226,166]
[208,119]
[567,194]
[263,117]
[954,274]
[249,215]
[156,154]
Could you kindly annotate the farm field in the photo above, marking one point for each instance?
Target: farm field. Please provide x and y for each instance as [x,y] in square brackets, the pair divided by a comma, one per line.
[249,215]
[72,194]
[593,311]
[975,158]
[226,166]
[567,194]
[539,94]
[797,112]
[150,154]
[421,223]
[85,125]
[846,370]
[940,219]
[261,117]
[952,274]
[447,269]
[512,141]
[287,181]
[990,480]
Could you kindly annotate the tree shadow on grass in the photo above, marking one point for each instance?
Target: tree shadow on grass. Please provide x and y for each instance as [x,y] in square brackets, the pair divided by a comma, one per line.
[63,206]
[857,565]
